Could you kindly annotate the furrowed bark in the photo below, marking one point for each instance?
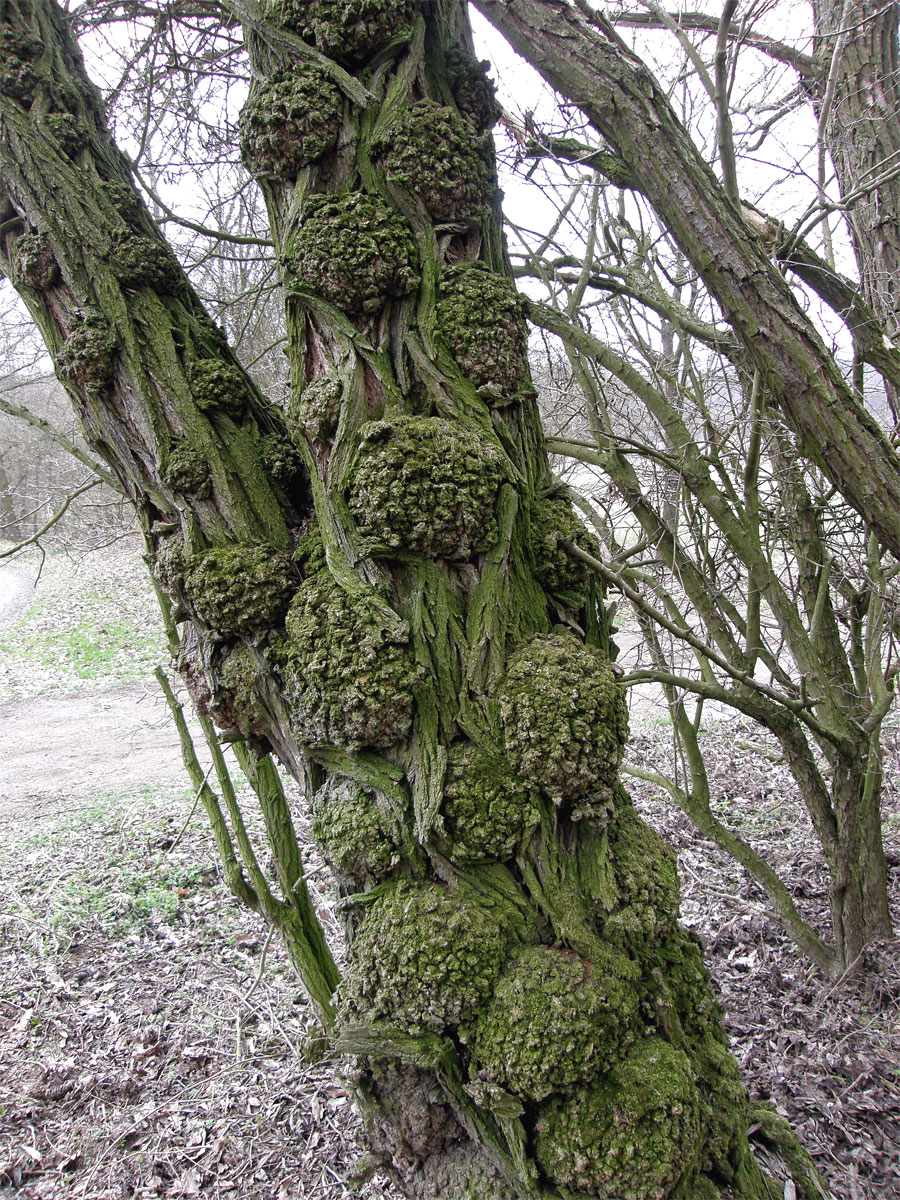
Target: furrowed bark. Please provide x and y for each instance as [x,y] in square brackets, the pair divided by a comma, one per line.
[585,61]
[862,133]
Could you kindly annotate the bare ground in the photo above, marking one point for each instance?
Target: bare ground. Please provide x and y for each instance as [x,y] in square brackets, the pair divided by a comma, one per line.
[153,1045]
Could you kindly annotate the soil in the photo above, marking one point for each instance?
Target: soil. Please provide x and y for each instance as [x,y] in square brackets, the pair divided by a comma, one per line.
[153,1043]
[58,750]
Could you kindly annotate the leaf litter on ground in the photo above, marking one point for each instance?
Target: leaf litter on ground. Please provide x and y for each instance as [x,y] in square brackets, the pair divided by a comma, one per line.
[155,1043]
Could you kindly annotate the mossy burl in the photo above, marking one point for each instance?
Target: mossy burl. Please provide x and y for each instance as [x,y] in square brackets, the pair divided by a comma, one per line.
[354,251]
[170,563]
[553,1021]
[87,357]
[480,317]
[67,131]
[290,120]
[187,470]
[486,810]
[18,78]
[564,721]
[438,156]
[348,681]
[553,523]
[724,1104]
[280,460]
[646,879]
[632,1135]
[423,959]
[316,410]
[475,94]
[346,30]
[138,261]
[427,485]
[218,387]
[351,832]
[36,262]
[237,700]
[239,590]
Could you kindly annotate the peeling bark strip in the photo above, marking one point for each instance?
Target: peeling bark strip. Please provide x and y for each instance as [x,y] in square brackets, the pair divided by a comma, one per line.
[378,589]
[585,61]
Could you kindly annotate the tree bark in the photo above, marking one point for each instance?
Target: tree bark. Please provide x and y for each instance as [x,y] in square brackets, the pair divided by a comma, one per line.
[857,52]
[585,61]
[393,611]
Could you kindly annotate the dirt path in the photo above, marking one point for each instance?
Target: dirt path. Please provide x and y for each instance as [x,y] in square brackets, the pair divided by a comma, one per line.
[56,752]
[16,589]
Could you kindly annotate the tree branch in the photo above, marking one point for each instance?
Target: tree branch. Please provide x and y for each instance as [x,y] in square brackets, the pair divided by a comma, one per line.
[588,63]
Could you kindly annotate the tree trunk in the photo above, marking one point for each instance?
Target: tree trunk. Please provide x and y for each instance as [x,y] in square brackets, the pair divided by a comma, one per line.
[390,605]
[859,81]
[860,912]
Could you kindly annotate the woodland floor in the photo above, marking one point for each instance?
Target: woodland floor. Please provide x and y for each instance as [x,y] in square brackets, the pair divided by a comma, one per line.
[153,1045]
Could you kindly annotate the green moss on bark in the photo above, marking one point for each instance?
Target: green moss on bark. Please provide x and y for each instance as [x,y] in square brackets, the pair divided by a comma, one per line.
[239,590]
[354,251]
[347,30]
[423,959]
[290,120]
[237,702]
[438,156]
[474,93]
[646,882]
[632,1136]
[486,810]
[775,1130]
[67,131]
[352,833]
[725,1108]
[316,410]
[36,262]
[349,682]
[87,357]
[553,1021]
[553,523]
[281,461]
[18,77]
[480,317]
[565,722]
[427,485]
[218,388]
[139,261]
[187,470]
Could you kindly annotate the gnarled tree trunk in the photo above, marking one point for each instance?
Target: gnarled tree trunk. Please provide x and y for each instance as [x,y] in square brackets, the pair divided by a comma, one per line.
[377,587]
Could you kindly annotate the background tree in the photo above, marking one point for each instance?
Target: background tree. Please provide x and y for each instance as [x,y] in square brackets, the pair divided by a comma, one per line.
[363,587]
